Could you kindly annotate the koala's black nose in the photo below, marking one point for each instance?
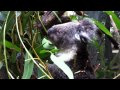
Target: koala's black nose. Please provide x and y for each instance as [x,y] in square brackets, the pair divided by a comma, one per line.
[50,31]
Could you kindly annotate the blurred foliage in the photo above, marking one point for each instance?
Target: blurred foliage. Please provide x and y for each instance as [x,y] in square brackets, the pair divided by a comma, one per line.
[33,47]
[35,43]
[111,69]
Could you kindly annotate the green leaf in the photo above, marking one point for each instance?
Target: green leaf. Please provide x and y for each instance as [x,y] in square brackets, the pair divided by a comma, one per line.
[10,45]
[74,18]
[44,54]
[11,21]
[54,50]
[44,51]
[115,18]
[28,67]
[47,51]
[47,44]
[25,18]
[102,27]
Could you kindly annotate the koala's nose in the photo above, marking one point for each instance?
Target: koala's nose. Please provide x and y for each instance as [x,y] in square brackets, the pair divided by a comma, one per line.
[50,31]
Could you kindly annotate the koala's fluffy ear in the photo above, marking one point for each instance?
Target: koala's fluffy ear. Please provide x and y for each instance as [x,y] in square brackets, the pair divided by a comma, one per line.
[85,35]
[77,37]
[82,37]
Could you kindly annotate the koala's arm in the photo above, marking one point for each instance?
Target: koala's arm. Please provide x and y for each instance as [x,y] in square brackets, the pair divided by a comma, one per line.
[56,72]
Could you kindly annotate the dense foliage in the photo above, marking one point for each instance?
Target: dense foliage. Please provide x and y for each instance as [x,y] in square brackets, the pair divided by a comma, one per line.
[25,49]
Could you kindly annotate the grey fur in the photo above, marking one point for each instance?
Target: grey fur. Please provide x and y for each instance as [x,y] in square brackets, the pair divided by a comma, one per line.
[72,36]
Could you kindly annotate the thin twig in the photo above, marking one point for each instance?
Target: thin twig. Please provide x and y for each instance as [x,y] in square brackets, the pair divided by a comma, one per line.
[4,44]
[116,76]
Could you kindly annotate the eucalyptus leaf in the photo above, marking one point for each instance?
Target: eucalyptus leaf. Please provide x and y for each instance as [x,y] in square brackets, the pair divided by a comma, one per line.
[44,54]
[28,67]
[25,18]
[115,18]
[47,44]
[44,51]
[102,27]
[10,45]
[10,21]
[74,18]
[54,50]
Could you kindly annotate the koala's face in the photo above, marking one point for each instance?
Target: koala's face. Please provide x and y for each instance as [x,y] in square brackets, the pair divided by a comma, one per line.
[89,29]
[65,35]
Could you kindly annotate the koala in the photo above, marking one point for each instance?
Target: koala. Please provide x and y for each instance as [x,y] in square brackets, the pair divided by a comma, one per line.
[71,39]
[68,35]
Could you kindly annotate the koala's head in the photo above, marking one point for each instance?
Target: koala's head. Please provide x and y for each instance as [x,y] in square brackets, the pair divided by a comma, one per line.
[71,37]
[70,34]
[87,29]
[63,35]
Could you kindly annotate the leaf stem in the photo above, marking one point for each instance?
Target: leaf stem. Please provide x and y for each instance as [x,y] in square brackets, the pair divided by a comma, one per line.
[4,44]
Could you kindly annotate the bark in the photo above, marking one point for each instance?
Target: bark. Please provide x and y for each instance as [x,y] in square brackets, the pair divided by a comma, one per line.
[49,19]
[108,47]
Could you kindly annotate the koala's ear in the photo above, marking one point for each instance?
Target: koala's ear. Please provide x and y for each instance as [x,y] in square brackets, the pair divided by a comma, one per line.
[77,37]
[85,35]
[80,38]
